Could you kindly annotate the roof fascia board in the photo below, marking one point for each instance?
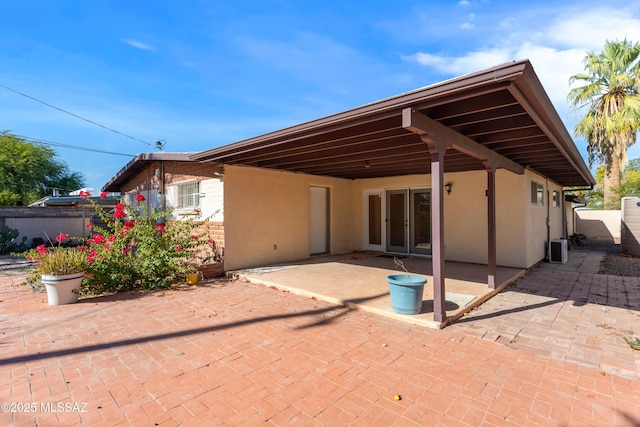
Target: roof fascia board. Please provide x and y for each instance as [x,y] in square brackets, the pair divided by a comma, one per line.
[568,150]
[142,159]
[501,73]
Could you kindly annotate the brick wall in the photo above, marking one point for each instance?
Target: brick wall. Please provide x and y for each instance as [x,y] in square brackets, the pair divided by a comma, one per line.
[215,231]
[174,172]
[177,172]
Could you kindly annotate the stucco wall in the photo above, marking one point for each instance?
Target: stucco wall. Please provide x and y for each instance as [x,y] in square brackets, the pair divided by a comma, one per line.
[598,224]
[267,216]
[536,222]
[465,211]
[46,222]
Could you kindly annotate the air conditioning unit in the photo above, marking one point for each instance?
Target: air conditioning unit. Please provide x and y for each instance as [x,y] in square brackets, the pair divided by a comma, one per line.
[558,251]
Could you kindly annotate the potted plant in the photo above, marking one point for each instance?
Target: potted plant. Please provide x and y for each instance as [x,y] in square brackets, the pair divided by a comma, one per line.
[61,269]
[406,291]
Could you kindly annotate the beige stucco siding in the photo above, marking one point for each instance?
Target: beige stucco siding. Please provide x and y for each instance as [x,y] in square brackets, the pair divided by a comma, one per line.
[536,219]
[266,216]
[465,214]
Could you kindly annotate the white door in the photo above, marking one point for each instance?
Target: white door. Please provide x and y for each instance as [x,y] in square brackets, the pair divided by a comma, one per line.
[318,220]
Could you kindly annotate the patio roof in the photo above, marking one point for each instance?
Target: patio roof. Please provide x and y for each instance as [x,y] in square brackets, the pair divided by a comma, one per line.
[503,109]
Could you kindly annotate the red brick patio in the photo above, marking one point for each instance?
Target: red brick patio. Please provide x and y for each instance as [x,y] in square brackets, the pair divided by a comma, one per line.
[235,353]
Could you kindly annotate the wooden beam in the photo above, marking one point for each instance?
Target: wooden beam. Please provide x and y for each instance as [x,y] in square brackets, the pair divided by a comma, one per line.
[446,137]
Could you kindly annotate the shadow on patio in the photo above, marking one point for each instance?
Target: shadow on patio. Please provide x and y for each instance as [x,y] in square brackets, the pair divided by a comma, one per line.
[359,280]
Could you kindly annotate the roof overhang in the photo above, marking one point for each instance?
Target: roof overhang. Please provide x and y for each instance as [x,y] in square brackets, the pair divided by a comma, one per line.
[503,109]
[139,163]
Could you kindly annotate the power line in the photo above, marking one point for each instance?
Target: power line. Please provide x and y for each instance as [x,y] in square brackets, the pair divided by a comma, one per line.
[74,147]
[74,115]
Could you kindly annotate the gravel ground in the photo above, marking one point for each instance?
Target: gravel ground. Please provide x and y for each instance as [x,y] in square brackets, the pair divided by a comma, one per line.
[614,263]
[13,266]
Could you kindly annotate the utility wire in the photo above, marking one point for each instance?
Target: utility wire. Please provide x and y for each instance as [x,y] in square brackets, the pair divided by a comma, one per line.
[74,147]
[75,115]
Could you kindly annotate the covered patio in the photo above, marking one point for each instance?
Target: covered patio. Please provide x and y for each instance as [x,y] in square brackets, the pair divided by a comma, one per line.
[496,119]
[358,280]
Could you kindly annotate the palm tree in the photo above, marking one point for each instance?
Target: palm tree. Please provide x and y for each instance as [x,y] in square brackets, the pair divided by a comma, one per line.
[611,93]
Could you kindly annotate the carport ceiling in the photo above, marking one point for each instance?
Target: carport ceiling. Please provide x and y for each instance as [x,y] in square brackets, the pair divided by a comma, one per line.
[503,108]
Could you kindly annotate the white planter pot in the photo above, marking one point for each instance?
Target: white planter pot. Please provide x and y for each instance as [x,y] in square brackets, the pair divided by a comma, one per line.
[62,289]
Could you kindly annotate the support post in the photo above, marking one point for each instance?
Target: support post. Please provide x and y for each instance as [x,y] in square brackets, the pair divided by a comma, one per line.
[437,236]
[491,220]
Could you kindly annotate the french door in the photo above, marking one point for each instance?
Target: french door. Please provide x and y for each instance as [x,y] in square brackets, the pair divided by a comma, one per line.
[420,222]
[399,221]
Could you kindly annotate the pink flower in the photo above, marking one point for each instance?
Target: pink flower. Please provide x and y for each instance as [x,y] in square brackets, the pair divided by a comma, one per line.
[119,211]
[128,225]
[42,249]
[112,238]
[126,251]
[89,225]
[160,227]
[140,198]
[61,237]
[92,255]
[178,248]
[99,239]
[85,194]
[104,195]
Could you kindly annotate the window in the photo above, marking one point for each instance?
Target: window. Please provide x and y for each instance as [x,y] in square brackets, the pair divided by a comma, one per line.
[556,199]
[188,195]
[537,196]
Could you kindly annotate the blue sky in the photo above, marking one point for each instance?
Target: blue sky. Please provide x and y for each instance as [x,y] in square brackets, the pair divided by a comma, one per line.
[199,74]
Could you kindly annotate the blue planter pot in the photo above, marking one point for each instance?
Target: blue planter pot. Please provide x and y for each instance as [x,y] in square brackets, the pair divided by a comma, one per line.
[406,293]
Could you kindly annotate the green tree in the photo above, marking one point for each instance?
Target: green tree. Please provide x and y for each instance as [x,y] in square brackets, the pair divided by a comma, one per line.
[610,93]
[630,185]
[29,170]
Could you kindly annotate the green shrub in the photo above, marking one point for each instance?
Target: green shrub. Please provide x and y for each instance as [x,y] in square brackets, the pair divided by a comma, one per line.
[137,251]
[8,241]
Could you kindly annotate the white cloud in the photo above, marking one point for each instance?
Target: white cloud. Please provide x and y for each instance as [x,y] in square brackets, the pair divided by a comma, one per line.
[138,45]
[472,61]
[591,28]
[556,51]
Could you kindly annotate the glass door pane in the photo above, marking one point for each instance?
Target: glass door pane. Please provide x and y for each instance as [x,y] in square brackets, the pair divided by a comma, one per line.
[421,221]
[375,219]
[397,221]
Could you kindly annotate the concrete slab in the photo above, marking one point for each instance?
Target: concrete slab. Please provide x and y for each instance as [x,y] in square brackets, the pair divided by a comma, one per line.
[359,280]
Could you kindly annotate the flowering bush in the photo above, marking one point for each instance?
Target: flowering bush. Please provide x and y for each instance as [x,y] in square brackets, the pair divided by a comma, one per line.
[136,251]
[57,260]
